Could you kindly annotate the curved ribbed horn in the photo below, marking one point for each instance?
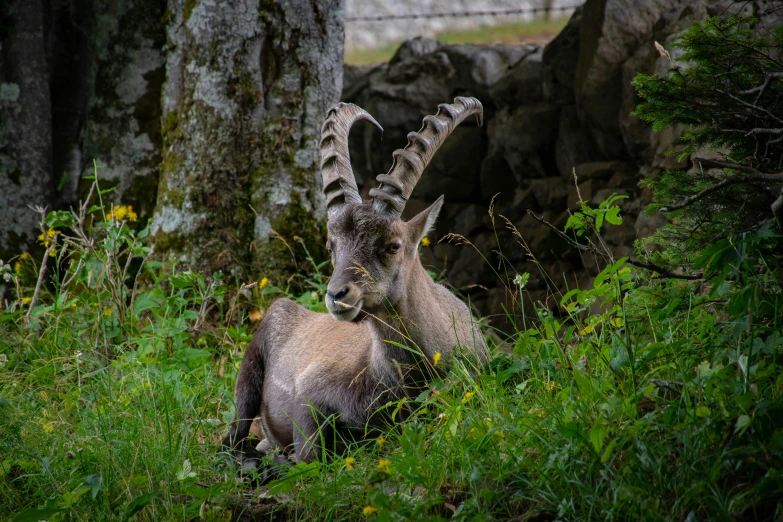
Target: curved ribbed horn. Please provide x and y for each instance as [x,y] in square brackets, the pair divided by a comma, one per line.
[397,185]
[338,180]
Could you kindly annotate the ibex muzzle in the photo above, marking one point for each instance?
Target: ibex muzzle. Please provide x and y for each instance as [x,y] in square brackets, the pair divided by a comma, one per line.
[387,317]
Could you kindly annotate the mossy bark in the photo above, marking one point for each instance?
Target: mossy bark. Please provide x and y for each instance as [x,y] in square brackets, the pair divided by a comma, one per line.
[123,130]
[25,126]
[247,86]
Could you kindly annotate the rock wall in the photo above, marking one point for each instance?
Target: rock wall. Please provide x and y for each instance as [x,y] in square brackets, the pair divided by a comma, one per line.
[557,127]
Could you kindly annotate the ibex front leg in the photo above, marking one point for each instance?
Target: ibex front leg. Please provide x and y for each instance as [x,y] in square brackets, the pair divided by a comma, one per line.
[307,438]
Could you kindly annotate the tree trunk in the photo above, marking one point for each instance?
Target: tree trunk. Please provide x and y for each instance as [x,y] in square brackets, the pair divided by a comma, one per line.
[122,132]
[247,86]
[69,53]
[25,125]
[123,127]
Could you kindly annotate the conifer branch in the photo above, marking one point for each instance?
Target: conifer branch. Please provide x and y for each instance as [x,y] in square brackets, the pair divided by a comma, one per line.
[749,105]
[763,87]
[745,46]
[736,166]
[733,180]
[764,131]
[750,175]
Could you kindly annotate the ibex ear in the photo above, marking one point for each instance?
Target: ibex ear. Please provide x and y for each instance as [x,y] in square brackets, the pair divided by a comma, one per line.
[424,221]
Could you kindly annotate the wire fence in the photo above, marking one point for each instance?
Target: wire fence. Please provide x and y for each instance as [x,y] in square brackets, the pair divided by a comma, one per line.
[461,14]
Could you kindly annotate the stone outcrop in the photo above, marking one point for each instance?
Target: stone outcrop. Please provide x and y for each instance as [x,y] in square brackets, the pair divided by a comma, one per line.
[557,129]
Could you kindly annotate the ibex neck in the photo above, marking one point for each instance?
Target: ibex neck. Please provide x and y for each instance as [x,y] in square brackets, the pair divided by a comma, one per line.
[417,325]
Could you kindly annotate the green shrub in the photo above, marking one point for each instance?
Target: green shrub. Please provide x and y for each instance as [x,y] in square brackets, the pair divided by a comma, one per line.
[727,90]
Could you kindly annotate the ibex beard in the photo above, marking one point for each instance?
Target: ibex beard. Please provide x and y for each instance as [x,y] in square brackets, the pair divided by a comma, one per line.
[387,318]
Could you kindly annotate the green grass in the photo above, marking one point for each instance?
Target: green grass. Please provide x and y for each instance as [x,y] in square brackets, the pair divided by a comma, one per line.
[512,33]
[666,405]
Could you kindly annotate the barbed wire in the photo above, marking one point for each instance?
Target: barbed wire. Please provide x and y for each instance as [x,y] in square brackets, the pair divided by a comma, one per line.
[460,14]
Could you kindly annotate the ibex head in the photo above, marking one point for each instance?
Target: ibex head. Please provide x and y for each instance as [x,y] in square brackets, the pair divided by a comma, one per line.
[373,251]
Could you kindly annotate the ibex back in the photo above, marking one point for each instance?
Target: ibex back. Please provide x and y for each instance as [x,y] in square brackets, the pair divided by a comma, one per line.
[387,317]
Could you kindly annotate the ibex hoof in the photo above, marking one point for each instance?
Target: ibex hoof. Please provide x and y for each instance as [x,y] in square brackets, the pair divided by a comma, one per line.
[264,447]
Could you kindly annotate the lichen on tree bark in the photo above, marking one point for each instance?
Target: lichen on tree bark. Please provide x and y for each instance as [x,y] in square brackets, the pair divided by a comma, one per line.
[25,128]
[122,132]
[247,86]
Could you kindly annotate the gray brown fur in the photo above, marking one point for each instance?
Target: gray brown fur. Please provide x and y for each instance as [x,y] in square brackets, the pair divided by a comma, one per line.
[347,363]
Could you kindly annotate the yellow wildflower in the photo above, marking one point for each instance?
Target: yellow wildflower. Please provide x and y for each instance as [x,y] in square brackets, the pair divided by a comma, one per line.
[43,395]
[383,465]
[18,267]
[52,252]
[27,300]
[25,256]
[381,441]
[44,238]
[264,282]
[107,311]
[436,358]
[121,212]
[368,510]
[349,462]
[467,396]
[255,315]
[425,242]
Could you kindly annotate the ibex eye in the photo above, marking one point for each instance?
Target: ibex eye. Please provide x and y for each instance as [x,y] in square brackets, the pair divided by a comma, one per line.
[393,248]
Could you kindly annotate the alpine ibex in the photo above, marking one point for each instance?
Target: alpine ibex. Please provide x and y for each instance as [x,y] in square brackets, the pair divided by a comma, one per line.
[387,318]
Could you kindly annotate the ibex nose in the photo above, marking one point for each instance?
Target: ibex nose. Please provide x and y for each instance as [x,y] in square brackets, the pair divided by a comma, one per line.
[336,296]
